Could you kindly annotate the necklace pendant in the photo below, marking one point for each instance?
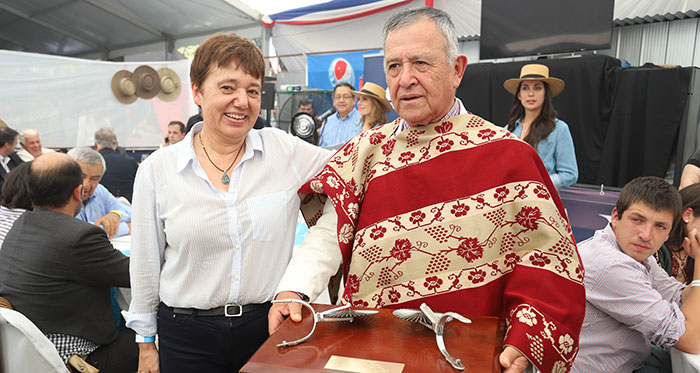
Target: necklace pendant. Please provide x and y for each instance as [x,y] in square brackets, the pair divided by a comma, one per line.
[225,179]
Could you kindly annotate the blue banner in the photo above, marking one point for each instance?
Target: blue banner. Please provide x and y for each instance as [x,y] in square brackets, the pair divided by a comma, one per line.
[324,71]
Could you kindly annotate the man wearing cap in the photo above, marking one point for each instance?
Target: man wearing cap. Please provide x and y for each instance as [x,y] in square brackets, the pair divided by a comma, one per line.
[9,158]
[31,145]
[120,172]
[345,123]
[443,208]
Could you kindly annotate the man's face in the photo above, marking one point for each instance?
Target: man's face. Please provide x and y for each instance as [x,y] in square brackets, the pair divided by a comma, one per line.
[641,230]
[92,174]
[32,144]
[174,134]
[308,109]
[421,82]
[343,100]
[8,148]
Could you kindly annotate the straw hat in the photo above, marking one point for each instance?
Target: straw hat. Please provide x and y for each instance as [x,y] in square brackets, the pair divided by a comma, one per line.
[123,87]
[376,92]
[147,81]
[535,72]
[170,85]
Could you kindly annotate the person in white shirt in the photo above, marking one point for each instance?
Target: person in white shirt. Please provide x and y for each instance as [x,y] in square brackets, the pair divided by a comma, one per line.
[31,145]
[213,221]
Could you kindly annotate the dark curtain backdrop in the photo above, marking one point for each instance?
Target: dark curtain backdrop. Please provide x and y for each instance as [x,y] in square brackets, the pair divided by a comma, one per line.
[624,121]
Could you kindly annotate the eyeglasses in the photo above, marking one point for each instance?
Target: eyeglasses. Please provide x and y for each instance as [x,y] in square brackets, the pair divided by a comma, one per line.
[343,97]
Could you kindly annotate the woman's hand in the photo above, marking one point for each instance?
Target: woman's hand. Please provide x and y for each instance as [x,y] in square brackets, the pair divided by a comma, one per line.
[691,244]
[148,358]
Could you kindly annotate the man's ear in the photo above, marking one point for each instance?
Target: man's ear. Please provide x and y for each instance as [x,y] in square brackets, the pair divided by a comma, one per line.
[94,146]
[460,65]
[77,193]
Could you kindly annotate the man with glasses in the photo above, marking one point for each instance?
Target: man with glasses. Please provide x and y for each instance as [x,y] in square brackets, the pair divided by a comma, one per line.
[345,123]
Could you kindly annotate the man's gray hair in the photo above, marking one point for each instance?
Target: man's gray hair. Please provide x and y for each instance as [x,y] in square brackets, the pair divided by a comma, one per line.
[105,138]
[442,20]
[89,156]
[29,132]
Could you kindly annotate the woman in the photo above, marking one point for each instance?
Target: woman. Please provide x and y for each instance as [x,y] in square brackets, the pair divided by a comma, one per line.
[14,200]
[213,221]
[372,104]
[671,257]
[533,119]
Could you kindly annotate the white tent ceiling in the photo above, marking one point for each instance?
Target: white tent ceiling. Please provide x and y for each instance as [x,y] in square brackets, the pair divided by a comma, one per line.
[108,29]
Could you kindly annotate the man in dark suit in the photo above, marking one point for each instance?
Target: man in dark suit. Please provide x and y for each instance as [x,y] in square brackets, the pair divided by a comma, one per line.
[8,158]
[58,270]
[120,170]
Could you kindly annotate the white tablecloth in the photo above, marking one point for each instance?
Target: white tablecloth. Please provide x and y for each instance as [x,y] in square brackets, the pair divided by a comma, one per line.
[683,362]
[123,244]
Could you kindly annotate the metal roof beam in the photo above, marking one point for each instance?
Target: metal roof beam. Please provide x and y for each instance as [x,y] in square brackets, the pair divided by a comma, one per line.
[28,48]
[49,26]
[130,18]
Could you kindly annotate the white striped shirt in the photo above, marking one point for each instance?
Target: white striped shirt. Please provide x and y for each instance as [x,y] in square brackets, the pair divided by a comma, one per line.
[195,246]
[7,220]
[628,305]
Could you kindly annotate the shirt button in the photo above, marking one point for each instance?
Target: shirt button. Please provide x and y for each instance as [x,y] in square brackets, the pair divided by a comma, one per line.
[235,278]
[238,247]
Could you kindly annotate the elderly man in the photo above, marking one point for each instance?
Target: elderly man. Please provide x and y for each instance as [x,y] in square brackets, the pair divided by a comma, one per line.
[443,208]
[120,173]
[345,123]
[31,145]
[8,144]
[630,301]
[99,205]
[57,270]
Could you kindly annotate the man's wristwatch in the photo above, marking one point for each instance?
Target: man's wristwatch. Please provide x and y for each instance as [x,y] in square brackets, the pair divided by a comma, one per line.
[142,339]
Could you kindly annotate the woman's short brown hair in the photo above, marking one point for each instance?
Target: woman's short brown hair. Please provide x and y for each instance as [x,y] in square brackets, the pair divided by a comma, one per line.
[222,50]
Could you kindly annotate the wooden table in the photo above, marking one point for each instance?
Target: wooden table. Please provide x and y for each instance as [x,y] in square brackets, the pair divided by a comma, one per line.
[382,337]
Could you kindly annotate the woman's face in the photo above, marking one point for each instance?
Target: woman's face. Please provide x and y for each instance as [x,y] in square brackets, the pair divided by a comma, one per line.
[230,102]
[364,105]
[693,222]
[531,95]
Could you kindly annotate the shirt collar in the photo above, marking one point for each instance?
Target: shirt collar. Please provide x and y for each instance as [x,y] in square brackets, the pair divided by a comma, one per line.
[185,149]
[346,116]
[457,108]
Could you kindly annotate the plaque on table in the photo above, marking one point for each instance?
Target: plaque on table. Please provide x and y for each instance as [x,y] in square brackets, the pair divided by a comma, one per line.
[382,342]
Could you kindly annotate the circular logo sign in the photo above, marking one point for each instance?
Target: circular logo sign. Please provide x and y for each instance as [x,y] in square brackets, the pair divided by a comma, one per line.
[341,71]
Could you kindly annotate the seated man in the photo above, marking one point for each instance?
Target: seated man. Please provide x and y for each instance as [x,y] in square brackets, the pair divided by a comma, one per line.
[345,123]
[99,205]
[120,169]
[57,270]
[31,145]
[8,156]
[630,301]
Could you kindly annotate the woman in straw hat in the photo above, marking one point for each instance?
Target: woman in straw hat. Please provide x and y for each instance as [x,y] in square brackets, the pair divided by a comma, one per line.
[213,221]
[534,119]
[373,105]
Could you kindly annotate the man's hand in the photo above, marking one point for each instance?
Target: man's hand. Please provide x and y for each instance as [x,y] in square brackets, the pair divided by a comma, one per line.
[110,223]
[148,358]
[512,360]
[279,311]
